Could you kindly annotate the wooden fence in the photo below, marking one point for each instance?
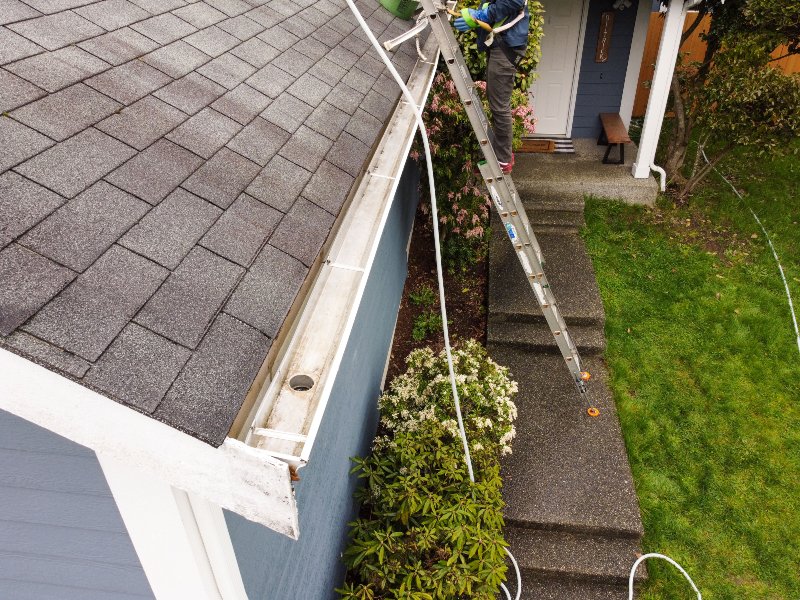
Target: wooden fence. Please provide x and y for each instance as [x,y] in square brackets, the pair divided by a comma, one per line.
[694,46]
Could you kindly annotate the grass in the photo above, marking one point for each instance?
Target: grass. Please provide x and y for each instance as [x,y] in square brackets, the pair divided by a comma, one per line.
[705,370]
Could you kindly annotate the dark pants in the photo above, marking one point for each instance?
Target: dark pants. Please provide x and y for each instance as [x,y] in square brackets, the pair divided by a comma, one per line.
[500,73]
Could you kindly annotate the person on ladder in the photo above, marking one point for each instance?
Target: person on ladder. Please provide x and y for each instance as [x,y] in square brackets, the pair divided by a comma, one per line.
[506,46]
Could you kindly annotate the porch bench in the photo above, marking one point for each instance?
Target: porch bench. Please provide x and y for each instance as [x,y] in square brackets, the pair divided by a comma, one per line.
[613,134]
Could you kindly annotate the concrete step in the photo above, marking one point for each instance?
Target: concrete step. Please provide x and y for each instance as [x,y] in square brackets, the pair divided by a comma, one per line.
[554,214]
[537,337]
[574,556]
[547,588]
[568,269]
[568,471]
[574,176]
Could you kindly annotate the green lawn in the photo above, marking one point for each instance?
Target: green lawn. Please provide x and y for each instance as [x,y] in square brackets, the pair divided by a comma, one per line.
[706,374]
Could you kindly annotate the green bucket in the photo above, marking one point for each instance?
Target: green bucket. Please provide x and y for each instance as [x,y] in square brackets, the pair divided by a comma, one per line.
[400,8]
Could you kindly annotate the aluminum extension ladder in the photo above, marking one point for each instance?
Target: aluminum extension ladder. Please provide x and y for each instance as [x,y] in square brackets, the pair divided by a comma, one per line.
[501,187]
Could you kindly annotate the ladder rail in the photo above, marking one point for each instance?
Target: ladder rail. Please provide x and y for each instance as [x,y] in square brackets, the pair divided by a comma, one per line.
[503,192]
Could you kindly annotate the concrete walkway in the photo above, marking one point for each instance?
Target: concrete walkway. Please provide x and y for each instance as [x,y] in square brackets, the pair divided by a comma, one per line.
[572,515]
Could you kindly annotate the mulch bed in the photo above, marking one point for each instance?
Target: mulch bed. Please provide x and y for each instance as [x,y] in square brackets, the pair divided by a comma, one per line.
[465,294]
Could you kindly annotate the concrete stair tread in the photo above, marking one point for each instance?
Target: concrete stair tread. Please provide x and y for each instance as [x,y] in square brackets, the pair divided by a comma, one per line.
[574,555]
[544,588]
[574,176]
[537,337]
[569,221]
[568,269]
[552,203]
[568,471]
[552,211]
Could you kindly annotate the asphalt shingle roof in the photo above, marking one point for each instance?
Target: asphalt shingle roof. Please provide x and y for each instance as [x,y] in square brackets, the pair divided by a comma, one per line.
[169,170]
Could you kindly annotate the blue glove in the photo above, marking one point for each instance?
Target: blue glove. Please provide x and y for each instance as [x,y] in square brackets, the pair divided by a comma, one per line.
[468,18]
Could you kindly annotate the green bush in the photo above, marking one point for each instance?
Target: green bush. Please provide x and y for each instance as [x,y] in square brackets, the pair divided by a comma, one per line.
[423,296]
[462,200]
[426,531]
[427,323]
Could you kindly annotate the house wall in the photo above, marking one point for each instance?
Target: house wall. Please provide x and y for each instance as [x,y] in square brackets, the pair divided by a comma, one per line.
[600,85]
[274,567]
[61,535]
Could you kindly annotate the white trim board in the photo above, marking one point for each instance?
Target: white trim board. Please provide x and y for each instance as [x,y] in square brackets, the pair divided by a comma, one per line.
[635,57]
[181,540]
[234,476]
[660,88]
[578,61]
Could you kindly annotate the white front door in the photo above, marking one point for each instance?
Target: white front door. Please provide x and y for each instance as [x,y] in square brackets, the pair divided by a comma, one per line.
[551,95]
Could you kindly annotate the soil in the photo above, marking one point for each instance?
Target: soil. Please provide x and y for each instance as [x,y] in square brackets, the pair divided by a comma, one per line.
[465,295]
[694,228]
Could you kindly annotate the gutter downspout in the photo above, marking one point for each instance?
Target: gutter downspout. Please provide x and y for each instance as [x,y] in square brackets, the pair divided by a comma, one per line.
[662,176]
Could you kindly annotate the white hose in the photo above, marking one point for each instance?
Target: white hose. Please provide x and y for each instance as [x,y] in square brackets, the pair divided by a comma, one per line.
[434,215]
[769,241]
[666,558]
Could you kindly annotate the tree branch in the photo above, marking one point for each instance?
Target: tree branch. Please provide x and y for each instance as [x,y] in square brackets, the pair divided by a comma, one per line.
[787,55]
[688,33]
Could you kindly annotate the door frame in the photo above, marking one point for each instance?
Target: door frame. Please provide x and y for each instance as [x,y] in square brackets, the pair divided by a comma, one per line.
[584,17]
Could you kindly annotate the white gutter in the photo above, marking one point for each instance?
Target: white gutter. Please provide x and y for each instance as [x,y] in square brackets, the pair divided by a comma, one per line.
[291,407]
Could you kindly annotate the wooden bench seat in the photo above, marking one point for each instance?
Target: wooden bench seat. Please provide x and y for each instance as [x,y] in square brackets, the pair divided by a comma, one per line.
[613,134]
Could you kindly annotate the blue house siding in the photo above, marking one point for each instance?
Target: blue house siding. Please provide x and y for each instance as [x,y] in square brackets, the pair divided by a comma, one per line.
[274,567]
[600,85]
[61,534]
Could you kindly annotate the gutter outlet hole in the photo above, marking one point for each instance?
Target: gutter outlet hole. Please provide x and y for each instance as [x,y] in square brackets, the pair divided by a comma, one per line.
[301,383]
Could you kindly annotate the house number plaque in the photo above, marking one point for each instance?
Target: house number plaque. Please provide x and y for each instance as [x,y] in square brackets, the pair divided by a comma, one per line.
[604,38]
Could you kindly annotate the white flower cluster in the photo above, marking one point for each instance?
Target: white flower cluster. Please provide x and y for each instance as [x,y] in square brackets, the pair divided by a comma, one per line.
[424,394]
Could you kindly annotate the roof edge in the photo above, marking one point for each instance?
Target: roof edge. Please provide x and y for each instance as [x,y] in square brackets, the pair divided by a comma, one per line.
[223,475]
[289,411]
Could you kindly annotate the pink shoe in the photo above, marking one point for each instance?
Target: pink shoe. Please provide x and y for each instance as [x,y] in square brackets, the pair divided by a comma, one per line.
[507,167]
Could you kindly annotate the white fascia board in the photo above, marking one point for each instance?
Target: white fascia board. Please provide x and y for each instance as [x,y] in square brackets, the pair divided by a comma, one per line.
[287,420]
[234,476]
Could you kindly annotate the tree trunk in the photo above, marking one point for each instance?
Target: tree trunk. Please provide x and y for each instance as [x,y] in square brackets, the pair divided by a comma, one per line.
[679,140]
[700,174]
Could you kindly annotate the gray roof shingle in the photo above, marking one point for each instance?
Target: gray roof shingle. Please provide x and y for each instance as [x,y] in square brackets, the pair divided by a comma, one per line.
[169,171]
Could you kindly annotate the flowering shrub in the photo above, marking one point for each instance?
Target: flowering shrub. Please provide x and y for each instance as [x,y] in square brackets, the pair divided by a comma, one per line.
[427,531]
[462,201]
[423,393]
